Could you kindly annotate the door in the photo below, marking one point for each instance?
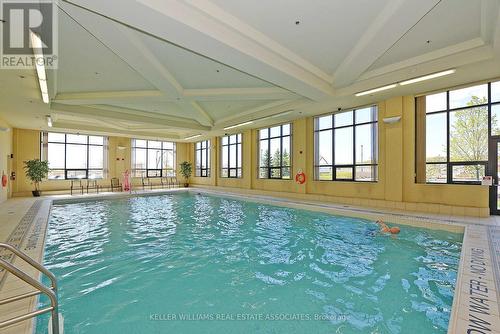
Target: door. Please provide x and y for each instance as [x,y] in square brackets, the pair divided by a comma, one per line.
[495,172]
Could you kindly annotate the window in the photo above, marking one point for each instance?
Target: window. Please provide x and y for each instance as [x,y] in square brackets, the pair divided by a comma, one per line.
[202,158]
[275,152]
[231,156]
[151,158]
[74,156]
[455,127]
[346,146]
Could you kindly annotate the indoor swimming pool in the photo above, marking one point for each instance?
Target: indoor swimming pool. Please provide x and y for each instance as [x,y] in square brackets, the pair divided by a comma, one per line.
[193,263]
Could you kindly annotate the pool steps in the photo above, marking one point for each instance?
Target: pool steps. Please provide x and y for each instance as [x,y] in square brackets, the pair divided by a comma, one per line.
[40,288]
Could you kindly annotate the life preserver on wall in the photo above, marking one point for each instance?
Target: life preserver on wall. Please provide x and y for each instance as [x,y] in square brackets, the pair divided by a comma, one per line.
[4,180]
[300,177]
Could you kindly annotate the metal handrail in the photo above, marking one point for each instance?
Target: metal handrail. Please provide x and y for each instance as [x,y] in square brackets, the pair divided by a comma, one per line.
[33,263]
[50,292]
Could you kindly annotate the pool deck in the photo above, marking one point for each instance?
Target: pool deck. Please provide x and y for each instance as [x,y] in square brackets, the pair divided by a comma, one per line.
[23,223]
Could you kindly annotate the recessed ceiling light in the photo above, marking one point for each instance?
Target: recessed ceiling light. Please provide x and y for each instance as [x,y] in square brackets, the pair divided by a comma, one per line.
[375,90]
[427,77]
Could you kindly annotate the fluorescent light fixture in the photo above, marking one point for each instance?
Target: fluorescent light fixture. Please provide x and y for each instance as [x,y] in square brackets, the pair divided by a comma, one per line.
[49,121]
[282,113]
[238,125]
[276,115]
[259,119]
[37,46]
[428,77]
[192,137]
[375,90]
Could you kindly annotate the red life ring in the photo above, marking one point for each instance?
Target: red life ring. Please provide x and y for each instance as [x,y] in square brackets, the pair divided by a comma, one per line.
[4,180]
[300,178]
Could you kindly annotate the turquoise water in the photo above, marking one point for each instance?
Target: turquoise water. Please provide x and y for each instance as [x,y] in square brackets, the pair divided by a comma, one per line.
[186,263]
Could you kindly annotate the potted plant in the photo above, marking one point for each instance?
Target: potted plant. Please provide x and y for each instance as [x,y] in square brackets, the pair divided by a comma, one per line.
[36,171]
[186,169]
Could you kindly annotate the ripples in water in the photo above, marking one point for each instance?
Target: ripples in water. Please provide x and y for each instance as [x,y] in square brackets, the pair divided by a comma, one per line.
[118,261]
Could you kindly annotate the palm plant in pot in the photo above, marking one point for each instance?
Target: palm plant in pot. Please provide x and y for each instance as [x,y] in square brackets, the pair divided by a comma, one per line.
[186,170]
[36,170]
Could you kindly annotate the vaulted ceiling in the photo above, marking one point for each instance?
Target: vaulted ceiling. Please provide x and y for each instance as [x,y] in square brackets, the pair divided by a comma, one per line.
[172,69]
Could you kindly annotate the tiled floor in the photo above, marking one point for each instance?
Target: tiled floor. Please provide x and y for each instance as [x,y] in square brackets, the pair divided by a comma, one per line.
[11,214]
[475,306]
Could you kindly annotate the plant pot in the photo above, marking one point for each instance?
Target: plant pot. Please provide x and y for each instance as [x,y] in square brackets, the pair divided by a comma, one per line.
[36,193]
[186,185]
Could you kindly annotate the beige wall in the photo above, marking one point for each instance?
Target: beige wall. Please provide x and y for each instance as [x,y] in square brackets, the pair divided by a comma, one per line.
[5,160]
[395,188]
[27,146]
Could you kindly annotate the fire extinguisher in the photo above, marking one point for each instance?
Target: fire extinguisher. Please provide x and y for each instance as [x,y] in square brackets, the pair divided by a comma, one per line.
[4,179]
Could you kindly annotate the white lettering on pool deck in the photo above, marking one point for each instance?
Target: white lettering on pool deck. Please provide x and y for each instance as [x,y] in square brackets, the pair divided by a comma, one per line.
[479,293]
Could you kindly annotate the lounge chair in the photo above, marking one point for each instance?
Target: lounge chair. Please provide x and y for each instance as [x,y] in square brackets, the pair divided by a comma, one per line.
[92,184]
[164,182]
[146,182]
[76,184]
[115,183]
[175,182]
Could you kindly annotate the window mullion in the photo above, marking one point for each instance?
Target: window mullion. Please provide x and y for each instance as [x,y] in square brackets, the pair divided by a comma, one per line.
[449,172]
[334,170]
[353,144]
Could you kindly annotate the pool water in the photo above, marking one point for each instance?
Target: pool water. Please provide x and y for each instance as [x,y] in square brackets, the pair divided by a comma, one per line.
[190,263]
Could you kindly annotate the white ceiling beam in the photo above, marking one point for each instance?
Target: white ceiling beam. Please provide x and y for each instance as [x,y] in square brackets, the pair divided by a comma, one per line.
[472,44]
[393,22]
[266,107]
[162,76]
[209,94]
[163,79]
[205,32]
[103,97]
[92,129]
[249,31]
[175,121]
[496,33]
[238,94]
[266,110]
[489,19]
[126,44]
[124,114]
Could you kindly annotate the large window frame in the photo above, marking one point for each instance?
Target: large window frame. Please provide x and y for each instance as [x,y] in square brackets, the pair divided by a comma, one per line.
[72,173]
[165,147]
[231,145]
[448,163]
[267,170]
[202,159]
[355,168]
